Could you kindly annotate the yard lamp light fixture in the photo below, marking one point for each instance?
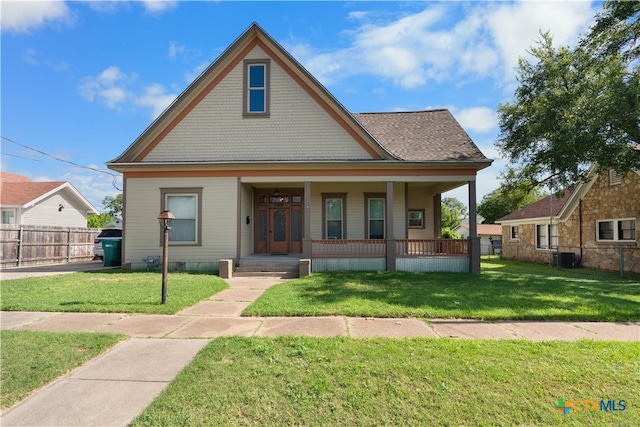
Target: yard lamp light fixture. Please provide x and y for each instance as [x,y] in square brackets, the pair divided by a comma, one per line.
[163,219]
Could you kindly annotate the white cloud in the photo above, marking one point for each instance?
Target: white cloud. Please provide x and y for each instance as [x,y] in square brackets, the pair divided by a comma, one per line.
[175,49]
[477,119]
[23,16]
[432,45]
[159,6]
[117,90]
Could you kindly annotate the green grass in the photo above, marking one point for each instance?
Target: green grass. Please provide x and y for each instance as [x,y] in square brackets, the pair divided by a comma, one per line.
[504,290]
[112,291]
[31,360]
[414,382]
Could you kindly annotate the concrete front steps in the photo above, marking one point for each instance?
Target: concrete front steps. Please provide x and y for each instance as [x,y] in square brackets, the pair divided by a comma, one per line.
[283,267]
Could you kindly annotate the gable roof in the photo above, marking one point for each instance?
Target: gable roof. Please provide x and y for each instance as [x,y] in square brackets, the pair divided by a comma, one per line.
[26,193]
[424,136]
[433,135]
[550,206]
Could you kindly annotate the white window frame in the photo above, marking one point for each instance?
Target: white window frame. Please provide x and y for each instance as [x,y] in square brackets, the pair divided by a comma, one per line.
[516,235]
[548,244]
[189,192]
[325,218]
[616,227]
[614,178]
[368,199]
[14,215]
[266,65]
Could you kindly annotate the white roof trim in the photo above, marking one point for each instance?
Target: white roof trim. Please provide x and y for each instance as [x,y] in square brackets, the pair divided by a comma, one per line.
[72,190]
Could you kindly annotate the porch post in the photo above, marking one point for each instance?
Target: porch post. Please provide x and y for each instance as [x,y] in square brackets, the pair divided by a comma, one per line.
[391,240]
[306,232]
[474,240]
[437,216]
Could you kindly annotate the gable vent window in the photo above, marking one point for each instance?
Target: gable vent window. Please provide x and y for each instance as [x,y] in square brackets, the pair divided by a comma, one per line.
[614,178]
[256,88]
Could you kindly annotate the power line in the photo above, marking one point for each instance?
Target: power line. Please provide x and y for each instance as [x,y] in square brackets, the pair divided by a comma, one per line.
[115,177]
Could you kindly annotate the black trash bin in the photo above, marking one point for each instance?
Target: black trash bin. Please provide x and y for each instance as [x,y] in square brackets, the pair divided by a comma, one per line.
[112,252]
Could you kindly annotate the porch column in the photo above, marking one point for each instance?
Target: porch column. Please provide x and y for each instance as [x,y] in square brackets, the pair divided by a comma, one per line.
[306,232]
[474,240]
[391,240]
[437,216]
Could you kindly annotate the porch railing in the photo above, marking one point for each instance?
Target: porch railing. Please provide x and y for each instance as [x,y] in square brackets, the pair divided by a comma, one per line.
[432,247]
[366,248]
[342,248]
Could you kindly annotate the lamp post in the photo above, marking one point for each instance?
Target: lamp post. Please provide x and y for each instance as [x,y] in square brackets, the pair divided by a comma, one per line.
[163,219]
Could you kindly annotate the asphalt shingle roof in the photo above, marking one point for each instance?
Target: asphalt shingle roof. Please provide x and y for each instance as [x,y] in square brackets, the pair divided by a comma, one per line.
[432,135]
[19,190]
[549,206]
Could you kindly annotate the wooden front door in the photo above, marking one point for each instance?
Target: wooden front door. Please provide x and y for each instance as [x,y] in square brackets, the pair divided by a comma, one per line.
[279,230]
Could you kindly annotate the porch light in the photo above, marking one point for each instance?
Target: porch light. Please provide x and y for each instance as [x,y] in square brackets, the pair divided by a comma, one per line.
[163,219]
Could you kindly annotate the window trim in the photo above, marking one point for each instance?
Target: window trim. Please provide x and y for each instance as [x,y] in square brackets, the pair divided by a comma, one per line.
[367,198]
[197,191]
[247,63]
[515,236]
[616,222]
[549,246]
[419,211]
[327,196]
[614,178]
[15,216]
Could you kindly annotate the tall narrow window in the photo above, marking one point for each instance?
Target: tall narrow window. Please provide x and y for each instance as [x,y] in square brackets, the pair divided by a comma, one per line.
[547,236]
[256,88]
[376,218]
[186,206]
[334,216]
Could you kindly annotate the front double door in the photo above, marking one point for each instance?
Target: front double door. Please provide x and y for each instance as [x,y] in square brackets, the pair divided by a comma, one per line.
[279,224]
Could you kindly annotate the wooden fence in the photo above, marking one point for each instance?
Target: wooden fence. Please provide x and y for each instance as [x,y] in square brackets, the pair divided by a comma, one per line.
[37,245]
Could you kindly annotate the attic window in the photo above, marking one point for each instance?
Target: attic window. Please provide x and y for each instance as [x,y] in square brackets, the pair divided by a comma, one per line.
[256,88]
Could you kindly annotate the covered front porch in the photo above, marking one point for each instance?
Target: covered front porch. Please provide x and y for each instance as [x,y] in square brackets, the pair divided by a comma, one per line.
[354,224]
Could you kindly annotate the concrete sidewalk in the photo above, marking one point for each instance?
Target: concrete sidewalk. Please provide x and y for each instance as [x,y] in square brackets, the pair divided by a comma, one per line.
[116,387]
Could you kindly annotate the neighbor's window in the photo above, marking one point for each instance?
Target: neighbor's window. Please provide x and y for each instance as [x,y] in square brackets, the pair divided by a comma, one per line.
[547,236]
[616,230]
[416,218]
[256,87]
[515,232]
[333,223]
[186,206]
[8,216]
[375,217]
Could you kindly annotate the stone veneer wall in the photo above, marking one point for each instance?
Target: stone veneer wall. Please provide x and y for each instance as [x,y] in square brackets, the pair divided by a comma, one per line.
[602,201]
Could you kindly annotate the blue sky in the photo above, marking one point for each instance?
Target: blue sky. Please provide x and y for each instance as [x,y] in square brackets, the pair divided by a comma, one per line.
[82,80]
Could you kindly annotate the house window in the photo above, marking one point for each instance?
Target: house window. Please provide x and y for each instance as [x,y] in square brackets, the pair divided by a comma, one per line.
[186,205]
[547,236]
[256,88]
[515,232]
[334,218]
[416,218]
[375,216]
[616,230]
[614,178]
[8,216]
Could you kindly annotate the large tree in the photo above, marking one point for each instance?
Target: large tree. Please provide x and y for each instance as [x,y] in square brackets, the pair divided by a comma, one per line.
[453,211]
[577,108]
[113,205]
[511,195]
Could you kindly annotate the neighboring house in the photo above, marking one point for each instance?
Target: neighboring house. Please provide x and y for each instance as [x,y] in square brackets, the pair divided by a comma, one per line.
[25,202]
[257,157]
[487,233]
[589,225]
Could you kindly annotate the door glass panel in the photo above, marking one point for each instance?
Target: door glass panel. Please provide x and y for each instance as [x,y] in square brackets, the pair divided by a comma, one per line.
[279,225]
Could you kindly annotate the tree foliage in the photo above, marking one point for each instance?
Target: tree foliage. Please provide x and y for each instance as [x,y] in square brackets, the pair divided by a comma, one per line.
[577,108]
[453,211]
[98,221]
[511,195]
[113,205]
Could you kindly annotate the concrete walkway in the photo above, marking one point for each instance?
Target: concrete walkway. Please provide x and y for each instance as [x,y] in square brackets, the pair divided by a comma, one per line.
[114,388]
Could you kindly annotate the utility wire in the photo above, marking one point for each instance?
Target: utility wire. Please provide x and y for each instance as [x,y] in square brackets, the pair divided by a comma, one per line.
[115,177]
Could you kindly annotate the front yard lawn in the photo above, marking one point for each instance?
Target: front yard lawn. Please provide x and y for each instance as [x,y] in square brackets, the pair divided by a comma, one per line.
[504,290]
[30,360]
[414,382]
[112,291]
